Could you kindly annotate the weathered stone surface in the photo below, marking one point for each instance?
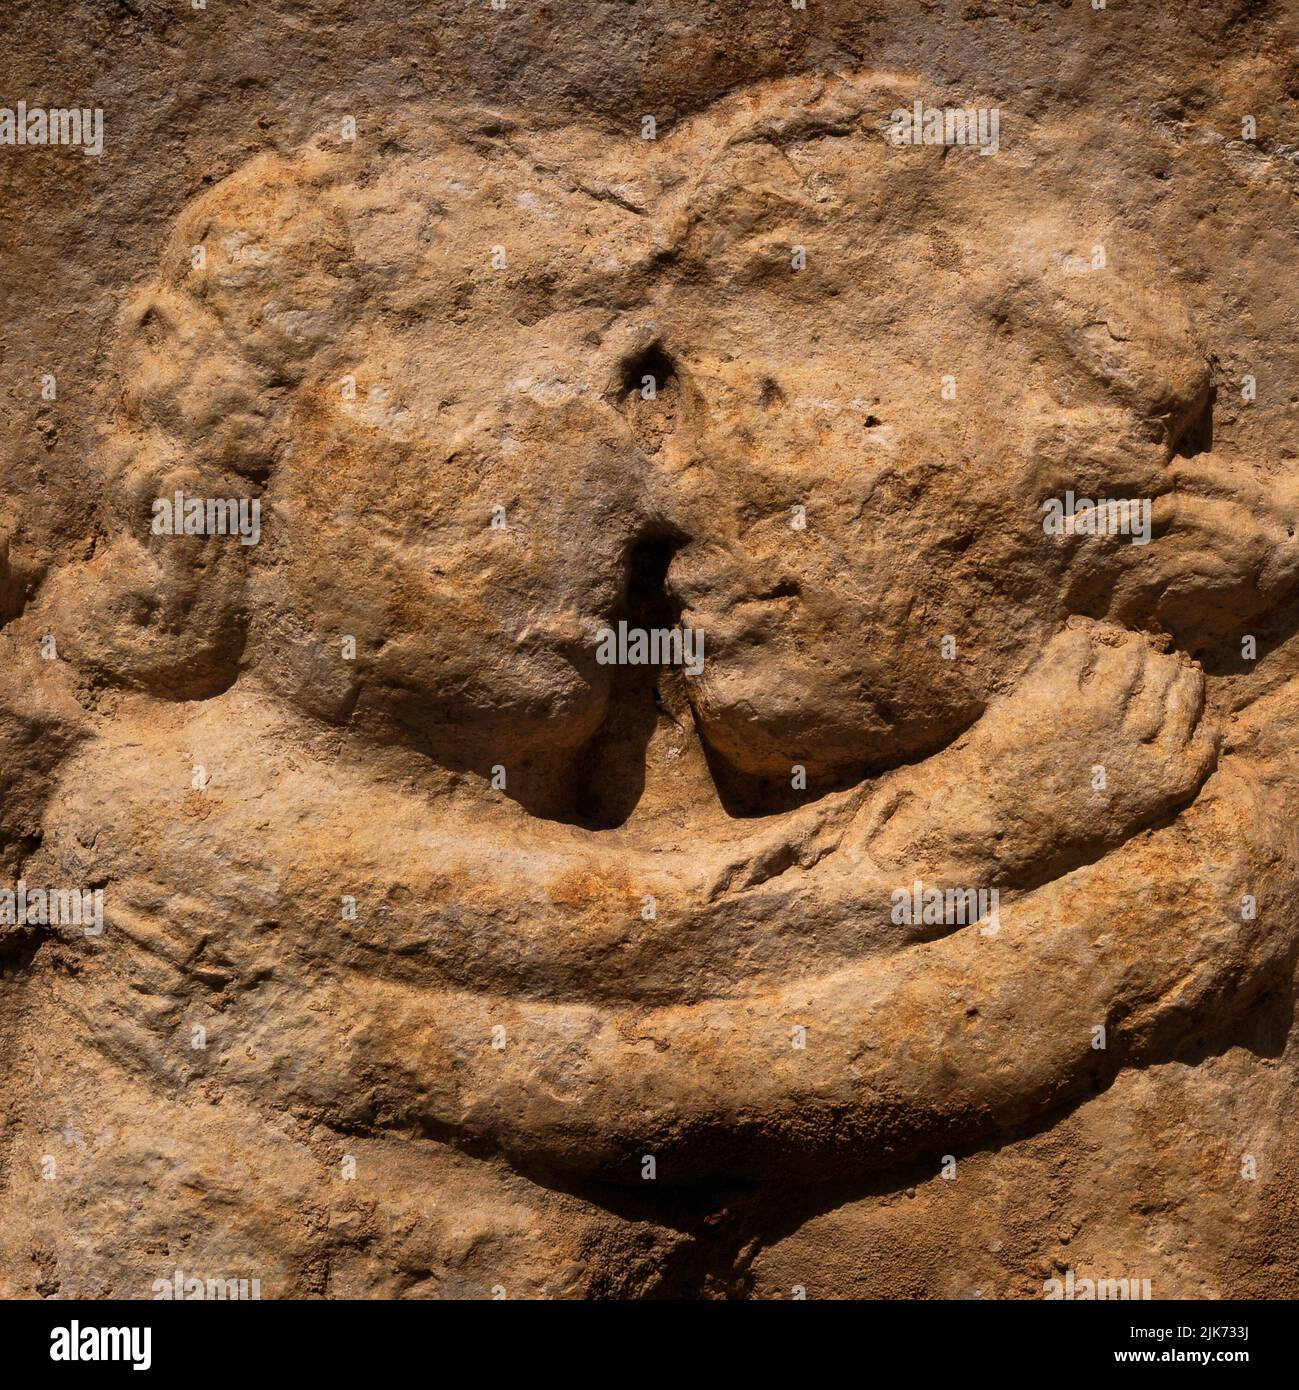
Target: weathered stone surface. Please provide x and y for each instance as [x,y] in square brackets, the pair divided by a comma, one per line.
[441,958]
